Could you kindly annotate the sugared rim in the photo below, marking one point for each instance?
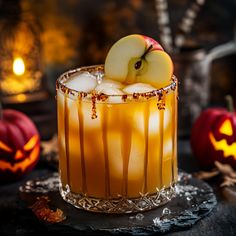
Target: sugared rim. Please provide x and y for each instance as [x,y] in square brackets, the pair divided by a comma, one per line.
[60,84]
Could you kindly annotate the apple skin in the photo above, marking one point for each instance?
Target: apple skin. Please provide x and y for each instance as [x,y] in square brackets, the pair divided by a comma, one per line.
[131,60]
[150,41]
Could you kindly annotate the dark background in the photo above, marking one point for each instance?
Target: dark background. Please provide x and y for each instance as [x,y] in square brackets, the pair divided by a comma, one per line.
[74,33]
[80,32]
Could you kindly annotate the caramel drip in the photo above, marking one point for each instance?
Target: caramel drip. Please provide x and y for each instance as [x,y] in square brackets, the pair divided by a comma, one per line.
[126,147]
[173,137]
[146,134]
[161,129]
[66,125]
[161,103]
[81,140]
[94,109]
[105,147]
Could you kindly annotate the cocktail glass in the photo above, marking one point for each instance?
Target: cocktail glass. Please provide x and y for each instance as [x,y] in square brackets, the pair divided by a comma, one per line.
[117,153]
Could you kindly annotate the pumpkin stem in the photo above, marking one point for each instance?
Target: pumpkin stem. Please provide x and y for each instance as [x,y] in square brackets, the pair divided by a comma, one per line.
[230,103]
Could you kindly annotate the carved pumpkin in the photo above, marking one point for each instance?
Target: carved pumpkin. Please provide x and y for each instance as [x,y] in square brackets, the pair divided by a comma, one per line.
[19,145]
[213,137]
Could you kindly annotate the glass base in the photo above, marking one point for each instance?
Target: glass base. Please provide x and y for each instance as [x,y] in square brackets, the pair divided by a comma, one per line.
[121,204]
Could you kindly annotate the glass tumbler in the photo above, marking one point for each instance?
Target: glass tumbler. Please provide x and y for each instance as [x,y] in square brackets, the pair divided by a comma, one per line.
[117,153]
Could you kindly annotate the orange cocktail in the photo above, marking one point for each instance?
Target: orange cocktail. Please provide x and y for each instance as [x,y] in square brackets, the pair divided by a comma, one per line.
[128,150]
[117,137]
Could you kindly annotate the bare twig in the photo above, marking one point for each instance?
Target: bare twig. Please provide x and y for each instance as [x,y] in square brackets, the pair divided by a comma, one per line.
[174,42]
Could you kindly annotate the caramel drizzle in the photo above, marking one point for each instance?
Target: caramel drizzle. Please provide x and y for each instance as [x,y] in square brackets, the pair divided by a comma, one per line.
[94,110]
[60,84]
[97,97]
[161,145]
[81,140]
[173,138]
[66,125]
[126,139]
[161,107]
[161,103]
[126,148]
[146,130]
[105,147]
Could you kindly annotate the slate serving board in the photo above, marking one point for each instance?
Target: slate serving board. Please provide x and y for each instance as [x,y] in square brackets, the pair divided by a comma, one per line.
[194,200]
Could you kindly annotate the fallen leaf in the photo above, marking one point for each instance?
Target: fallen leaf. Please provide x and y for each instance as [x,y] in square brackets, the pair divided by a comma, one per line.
[227,173]
[50,146]
[225,169]
[228,181]
[43,212]
[206,174]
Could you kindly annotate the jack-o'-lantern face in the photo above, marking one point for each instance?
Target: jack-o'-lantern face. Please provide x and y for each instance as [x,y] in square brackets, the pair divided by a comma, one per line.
[213,136]
[21,159]
[19,145]
[226,141]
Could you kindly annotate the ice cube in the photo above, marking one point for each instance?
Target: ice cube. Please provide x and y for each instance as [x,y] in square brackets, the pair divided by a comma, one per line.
[136,163]
[115,94]
[112,91]
[166,211]
[138,88]
[106,83]
[115,154]
[154,120]
[82,82]
[167,148]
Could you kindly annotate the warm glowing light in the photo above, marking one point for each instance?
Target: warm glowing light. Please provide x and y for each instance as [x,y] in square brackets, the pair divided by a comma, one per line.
[31,143]
[21,97]
[5,147]
[18,66]
[226,128]
[19,154]
[222,145]
[23,164]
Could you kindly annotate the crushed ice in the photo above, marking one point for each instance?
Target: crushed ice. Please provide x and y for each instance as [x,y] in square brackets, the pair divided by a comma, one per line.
[164,221]
[166,211]
[138,217]
[41,185]
[99,76]
[185,192]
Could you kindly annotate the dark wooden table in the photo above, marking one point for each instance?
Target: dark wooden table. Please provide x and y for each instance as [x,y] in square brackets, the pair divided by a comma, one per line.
[17,219]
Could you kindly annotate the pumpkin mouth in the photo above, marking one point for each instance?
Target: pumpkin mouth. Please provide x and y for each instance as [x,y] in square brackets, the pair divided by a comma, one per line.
[20,159]
[23,164]
[15,156]
[222,145]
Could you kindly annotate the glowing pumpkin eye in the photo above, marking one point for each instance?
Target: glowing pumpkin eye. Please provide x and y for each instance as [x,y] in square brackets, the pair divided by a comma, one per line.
[4,147]
[19,154]
[31,143]
[226,128]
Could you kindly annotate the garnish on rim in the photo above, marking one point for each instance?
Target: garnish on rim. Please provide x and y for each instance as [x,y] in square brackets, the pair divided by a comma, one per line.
[137,58]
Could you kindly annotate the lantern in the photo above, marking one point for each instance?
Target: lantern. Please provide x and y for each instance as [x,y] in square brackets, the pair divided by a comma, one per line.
[21,76]
[213,136]
[19,145]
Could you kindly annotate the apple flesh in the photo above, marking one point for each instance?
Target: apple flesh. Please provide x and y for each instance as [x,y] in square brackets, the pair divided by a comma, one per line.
[137,58]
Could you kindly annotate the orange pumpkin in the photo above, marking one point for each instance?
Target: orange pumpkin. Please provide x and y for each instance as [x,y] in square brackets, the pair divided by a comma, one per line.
[213,136]
[19,145]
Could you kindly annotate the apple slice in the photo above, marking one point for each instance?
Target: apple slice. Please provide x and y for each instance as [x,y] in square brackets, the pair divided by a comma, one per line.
[137,58]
